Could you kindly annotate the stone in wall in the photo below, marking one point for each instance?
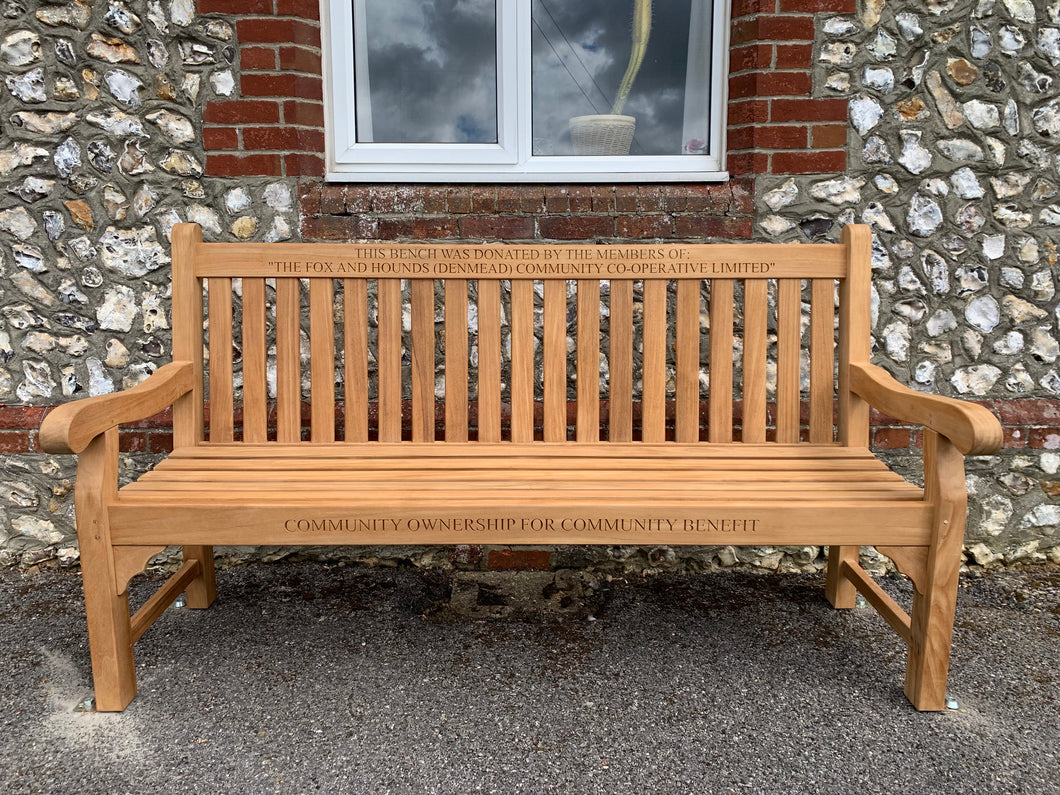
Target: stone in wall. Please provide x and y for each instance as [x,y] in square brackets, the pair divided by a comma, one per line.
[957,161]
[100,154]
[953,164]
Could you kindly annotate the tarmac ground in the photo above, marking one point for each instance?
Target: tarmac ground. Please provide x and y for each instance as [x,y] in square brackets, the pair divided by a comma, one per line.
[312,677]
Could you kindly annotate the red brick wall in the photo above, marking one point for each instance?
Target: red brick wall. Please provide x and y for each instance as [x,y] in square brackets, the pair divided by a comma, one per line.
[776,126]
[274,127]
[525,212]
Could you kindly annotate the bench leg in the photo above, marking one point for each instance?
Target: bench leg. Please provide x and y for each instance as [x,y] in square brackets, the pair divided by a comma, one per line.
[931,622]
[838,589]
[109,626]
[202,590]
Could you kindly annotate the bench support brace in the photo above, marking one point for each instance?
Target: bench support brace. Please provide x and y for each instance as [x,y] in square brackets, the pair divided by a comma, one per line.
[155,606]
[892,613]
[130,561]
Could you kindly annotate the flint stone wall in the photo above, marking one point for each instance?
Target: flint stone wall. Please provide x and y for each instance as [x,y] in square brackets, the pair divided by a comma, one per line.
[954,116]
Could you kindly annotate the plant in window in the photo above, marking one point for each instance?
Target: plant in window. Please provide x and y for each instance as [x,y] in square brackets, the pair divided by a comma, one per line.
[612,133]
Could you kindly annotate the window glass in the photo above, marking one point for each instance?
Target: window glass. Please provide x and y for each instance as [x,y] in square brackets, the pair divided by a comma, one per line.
[582,52]
[525,90]
[426,71]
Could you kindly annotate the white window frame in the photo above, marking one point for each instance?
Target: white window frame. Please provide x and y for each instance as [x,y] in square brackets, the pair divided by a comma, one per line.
[511,159]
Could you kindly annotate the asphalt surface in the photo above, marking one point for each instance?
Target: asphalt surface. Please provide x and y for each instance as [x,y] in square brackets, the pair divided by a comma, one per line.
[315,678]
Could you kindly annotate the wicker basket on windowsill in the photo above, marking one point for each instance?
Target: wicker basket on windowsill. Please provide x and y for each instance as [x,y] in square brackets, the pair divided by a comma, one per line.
[602,134]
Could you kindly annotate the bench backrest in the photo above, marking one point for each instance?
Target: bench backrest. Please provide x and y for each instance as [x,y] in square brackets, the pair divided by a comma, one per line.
[694,332]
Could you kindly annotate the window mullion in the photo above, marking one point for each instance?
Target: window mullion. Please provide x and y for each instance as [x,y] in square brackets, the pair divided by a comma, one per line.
[512,19]
[524,57]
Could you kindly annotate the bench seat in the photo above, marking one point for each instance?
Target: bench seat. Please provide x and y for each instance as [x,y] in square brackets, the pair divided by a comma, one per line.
[446,493]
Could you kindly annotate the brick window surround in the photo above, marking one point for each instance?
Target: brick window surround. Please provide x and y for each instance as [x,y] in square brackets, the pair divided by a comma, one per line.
[274,126]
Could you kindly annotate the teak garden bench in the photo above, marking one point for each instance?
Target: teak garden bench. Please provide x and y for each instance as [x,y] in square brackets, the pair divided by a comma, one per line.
[670,457]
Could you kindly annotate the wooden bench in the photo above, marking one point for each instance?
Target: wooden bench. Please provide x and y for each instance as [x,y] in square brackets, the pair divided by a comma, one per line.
[518,447]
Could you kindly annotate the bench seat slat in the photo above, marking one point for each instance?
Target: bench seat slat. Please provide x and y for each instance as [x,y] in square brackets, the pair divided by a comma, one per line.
[470,491]
[428,467]
[560,451]
[386,502]
[515,470]
[448,494]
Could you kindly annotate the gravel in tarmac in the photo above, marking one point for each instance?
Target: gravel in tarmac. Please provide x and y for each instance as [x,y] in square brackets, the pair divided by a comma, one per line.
[311,677]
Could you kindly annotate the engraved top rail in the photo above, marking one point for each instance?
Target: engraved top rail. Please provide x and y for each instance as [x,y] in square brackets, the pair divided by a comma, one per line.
[522,261]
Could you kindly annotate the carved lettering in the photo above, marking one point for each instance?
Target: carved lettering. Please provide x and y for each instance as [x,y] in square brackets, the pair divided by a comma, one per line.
[706,526]
[519,261]
[743,267]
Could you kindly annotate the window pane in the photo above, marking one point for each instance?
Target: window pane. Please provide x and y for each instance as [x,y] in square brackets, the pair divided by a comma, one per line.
[426,71]
[582,51]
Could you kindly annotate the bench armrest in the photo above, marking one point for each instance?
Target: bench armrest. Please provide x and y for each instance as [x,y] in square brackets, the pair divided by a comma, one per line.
[971,427]
[70,427]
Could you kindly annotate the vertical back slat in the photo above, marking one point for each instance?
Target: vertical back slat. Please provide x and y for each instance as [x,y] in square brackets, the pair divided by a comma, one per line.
[355,358]
[422,297]
[322,359]
[522,325]
[187,333]
[620,420]
[489,360]
[721,312]
[686,359]
[389,356]
[854,328]
[255,398]
[755,309]
[789,333]
[456,360]
[822,356]
[555,361]
[588,383]
[288,364]
[220,298]
[653,389]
